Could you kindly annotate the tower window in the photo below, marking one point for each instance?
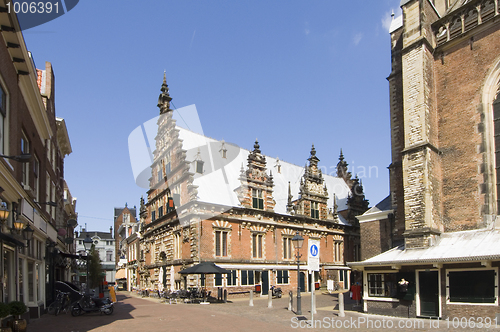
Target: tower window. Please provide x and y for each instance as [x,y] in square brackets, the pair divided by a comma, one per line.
[257,201]
[315,210]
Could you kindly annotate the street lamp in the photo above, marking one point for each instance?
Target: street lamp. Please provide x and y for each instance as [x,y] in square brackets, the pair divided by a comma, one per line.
[4,212]
[87,243]
[297,241]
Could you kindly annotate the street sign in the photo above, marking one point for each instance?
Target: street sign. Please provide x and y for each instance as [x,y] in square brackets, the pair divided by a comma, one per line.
[313,255]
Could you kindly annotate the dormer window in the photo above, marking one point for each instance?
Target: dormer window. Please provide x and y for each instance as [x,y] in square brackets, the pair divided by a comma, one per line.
[257,201]
[278,165]
[198,163]
[199,166]
[223,150]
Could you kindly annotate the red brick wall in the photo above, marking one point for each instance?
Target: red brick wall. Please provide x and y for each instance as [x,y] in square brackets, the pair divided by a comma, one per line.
[375,238]
[459,83]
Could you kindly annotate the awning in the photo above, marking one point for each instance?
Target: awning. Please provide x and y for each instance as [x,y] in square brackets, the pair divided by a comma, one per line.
[120,274]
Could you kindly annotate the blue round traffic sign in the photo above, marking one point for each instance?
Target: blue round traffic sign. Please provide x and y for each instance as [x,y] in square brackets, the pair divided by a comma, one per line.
[314,250]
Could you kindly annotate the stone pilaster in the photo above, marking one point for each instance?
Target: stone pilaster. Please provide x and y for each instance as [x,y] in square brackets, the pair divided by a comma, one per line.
[420,156]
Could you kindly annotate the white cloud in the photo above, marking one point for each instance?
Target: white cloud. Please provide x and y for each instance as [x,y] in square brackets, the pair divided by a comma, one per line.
[357,38]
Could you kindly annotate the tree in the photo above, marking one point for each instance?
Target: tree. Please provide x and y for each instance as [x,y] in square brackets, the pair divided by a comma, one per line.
[95,268]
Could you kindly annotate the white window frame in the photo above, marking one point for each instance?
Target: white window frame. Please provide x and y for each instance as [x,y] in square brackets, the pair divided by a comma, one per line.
[365,286]
[230,278]
[177,245]
[417,289]
[259,245]
[36,175]
[247,284]
[287,277]
[470,303]
[224,246]
[25,149]
[287,247]
[257,195]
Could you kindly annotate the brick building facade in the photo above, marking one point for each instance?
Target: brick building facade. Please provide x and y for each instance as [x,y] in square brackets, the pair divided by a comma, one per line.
[32,188]
[212,201]
[441,222]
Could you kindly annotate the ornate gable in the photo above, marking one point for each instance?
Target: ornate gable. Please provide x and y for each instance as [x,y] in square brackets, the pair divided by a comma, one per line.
[256,190]
[357,203]
[313,195]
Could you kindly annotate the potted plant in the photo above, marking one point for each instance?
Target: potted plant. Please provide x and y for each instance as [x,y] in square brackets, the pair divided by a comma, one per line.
[18,308]
[4,312]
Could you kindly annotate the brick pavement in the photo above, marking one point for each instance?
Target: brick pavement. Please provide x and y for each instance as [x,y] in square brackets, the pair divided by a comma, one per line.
[133,313]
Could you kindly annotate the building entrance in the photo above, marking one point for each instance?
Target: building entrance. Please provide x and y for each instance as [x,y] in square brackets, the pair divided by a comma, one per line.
[428,283]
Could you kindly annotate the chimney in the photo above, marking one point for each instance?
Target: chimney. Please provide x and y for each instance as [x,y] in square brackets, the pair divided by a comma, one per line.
[111,230]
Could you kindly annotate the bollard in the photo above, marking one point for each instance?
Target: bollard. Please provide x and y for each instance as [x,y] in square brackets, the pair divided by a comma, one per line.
[225,295]
[270,299]
[290,302]
[251,298]
[341,305]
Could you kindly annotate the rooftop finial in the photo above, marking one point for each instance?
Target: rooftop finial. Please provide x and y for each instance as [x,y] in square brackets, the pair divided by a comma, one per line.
[164,99]
[313,160]
[256,146]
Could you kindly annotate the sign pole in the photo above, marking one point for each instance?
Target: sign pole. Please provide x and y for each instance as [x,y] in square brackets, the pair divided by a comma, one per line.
[313,266]
[312,297]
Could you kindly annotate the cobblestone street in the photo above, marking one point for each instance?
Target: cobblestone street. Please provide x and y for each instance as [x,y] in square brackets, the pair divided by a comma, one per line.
[133,313]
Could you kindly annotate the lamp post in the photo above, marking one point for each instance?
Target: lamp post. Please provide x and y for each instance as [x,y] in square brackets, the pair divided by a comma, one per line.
[87,243]
[297,241]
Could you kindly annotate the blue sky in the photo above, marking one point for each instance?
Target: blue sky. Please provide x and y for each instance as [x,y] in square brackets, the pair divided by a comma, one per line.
[290,73]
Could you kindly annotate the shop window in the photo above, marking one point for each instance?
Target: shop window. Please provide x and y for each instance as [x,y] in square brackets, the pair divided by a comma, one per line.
[231,278]
[247,278]
[282,277]
[31,280]
[218,279]
[472,286]
[382,284]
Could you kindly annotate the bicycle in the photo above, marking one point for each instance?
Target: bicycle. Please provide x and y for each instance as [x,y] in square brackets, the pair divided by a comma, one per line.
[62,302]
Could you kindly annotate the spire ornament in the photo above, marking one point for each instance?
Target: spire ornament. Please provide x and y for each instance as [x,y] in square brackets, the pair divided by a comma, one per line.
[164,99]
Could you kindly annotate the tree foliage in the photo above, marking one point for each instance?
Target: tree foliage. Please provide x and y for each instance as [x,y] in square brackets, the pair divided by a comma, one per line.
[95,268]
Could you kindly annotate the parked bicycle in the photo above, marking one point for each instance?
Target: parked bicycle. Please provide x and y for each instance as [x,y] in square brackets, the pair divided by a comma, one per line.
[61,303]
